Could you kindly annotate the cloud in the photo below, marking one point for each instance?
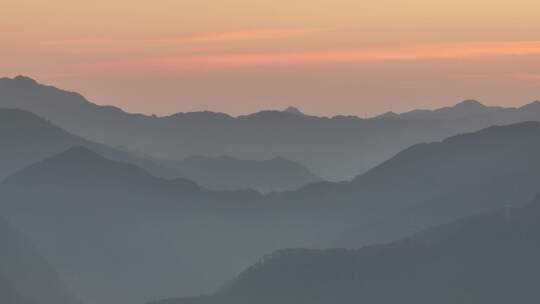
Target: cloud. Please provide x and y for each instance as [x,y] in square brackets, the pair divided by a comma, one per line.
[513,76]
[193,39]
[214,60]
[535,78]
[215,37]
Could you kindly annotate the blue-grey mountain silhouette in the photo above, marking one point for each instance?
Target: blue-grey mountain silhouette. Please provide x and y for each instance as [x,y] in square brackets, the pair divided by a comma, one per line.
[484,259]
[224,172]
[80,170]
[430,183]
[8,294]
[25,276]
[98,218]
[465,109]
[100,211]
[210,235]
[29,138]
[334,148]
[293,110]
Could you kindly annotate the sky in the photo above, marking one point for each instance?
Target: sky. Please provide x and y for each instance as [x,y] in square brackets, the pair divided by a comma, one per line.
[325,57]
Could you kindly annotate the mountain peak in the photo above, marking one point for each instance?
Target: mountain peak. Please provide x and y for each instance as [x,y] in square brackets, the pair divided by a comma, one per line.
[79,166]
[24,81]
[293,110]
[533,105]
[389,114]
[78,153]
[470,104]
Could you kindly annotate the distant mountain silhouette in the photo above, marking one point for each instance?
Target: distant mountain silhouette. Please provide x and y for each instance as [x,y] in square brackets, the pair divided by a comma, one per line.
[293,110]
[277,174]
[8,294]
[80,166]
[484,259]
[85,175]
[29,138]
[210,235]
[464,109]
[25,277]
[96,218]
[334,148]
[429,184]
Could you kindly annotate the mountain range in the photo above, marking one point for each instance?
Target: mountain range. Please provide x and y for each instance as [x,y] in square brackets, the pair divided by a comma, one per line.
[101,217]
[491,258]
[25,276]
[336,148]
[114,222]
[426,184]
[225,172]
[126,208]
[28,138]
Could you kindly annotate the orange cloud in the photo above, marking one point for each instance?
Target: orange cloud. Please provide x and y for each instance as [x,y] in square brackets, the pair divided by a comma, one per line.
[528,77]
[202,38]
[385,53]
[248,35]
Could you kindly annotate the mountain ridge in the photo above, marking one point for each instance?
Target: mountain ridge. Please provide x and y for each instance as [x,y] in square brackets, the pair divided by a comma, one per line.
[226,172]
[27,81]
[25,276]
[336,148]
[487,258]
[30,138]
[381,205]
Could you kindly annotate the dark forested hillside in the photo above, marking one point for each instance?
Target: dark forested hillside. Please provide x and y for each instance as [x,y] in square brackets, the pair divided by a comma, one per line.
[490,258]
[8,294]
[25,276]
[430,183]
[210,235]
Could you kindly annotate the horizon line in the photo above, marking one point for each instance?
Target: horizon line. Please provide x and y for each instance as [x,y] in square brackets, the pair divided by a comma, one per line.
[21,76]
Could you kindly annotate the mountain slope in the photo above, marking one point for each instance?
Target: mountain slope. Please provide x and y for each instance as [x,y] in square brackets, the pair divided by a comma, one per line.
[28,138]
[218,233]
[210,235]
[428,184]
[9,295]
[109,226]
[277,174]
[333,148]
[25,277]
[464,109]
[490,258]
[81,174]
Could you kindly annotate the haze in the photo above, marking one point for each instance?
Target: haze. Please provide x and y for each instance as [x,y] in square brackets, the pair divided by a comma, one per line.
[238,56]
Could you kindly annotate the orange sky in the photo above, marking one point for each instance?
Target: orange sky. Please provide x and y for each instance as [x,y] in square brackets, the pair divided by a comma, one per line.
[239,56]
